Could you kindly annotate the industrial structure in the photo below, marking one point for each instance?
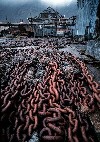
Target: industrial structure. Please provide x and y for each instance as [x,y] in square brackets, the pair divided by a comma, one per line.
[48,23]
[51,23]
[86,18]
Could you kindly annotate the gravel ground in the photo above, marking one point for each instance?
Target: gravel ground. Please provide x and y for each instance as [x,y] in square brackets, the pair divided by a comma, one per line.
[94,68]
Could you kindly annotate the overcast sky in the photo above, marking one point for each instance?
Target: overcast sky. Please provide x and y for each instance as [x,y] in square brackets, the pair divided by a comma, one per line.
[15,10]
[47,2]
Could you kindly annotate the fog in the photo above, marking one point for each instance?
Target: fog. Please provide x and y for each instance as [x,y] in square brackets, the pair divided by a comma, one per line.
[15,10]
[54,3]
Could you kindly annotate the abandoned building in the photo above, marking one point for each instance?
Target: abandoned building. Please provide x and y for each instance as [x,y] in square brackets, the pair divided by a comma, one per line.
[51,23]
[48,23]
[86,18]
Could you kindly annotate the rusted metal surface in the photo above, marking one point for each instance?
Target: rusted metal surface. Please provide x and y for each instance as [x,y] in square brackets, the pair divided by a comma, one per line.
[56,105]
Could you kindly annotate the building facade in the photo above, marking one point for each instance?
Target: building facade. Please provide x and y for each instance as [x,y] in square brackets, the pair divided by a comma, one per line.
[86,17]
[52,23]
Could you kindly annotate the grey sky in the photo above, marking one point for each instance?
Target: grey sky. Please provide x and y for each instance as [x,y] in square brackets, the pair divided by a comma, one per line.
[15,10]
[46,2]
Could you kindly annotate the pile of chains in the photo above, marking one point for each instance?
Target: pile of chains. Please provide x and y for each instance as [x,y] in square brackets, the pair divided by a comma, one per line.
[5,57]
[55,107]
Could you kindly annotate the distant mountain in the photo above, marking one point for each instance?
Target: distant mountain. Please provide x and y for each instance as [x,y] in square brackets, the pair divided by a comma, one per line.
[16,12]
